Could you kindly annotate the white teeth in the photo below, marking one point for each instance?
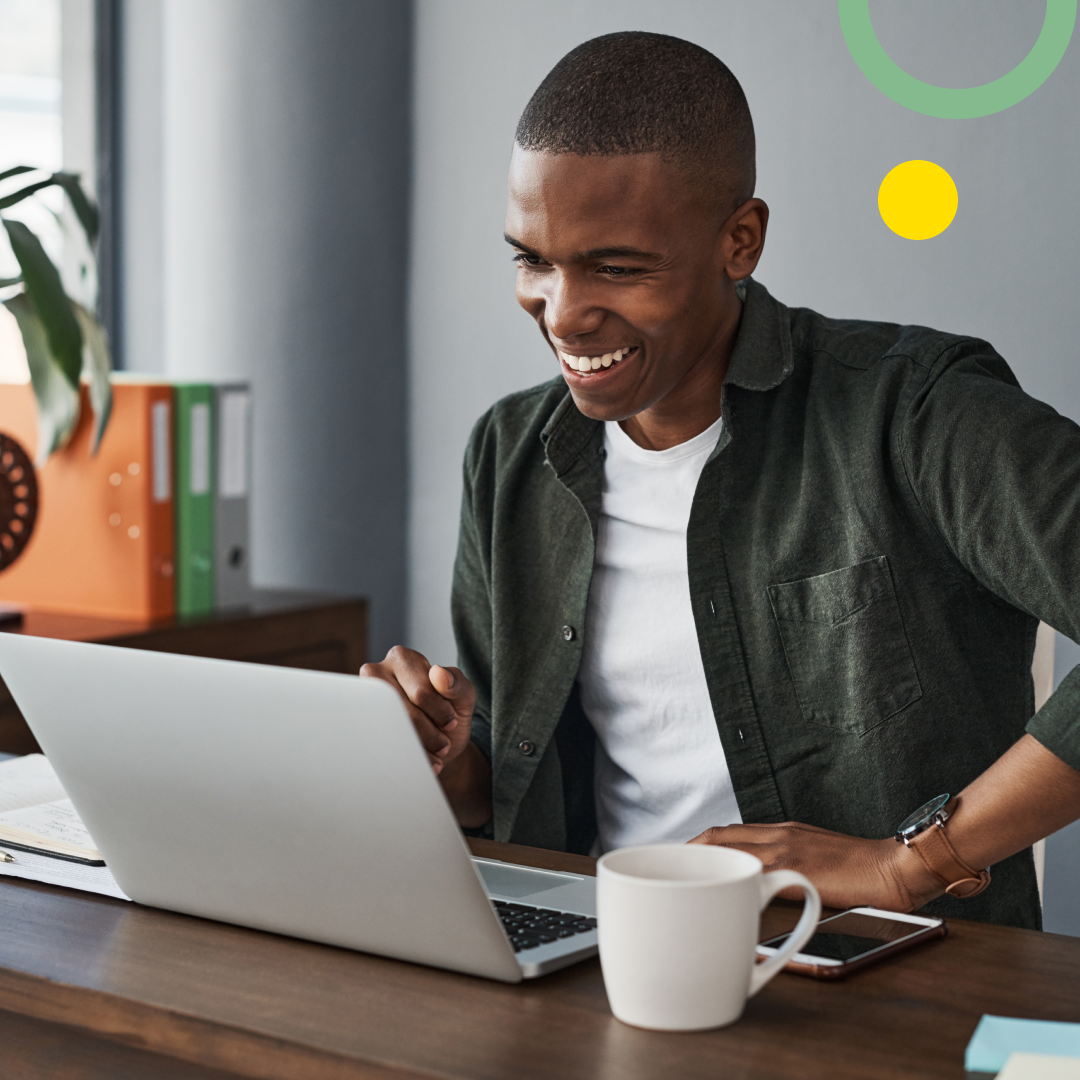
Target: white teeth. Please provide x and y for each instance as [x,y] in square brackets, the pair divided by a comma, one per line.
[593,363]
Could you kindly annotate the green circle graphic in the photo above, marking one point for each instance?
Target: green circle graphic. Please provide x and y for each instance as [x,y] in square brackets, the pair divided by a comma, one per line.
[947,102]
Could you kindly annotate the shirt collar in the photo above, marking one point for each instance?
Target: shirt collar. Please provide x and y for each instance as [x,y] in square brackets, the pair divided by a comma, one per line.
[763,356]
[762,359]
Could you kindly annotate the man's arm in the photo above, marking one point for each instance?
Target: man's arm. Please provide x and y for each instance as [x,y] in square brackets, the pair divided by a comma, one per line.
[467,783]
[1024,796]
[998,475]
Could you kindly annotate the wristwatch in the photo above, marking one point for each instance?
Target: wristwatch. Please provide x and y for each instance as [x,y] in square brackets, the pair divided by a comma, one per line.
[924,833]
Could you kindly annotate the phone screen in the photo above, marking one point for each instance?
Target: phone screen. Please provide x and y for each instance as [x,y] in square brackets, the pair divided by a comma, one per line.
[851,934]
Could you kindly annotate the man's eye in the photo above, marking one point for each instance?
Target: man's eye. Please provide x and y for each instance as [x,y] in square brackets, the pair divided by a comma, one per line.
[618,271]
[524,259]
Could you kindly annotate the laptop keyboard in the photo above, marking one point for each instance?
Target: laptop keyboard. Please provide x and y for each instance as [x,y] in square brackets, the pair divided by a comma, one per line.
[527,927]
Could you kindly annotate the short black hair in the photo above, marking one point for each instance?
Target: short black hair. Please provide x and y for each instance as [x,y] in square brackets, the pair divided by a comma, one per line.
[638,93]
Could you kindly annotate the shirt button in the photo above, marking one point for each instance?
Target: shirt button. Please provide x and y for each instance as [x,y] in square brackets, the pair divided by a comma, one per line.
[568,633]
[527,747]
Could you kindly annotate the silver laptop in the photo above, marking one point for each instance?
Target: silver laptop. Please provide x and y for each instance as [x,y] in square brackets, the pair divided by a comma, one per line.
[292,801]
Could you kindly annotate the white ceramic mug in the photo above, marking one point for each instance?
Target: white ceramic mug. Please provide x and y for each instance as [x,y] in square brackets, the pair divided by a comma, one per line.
[678,927]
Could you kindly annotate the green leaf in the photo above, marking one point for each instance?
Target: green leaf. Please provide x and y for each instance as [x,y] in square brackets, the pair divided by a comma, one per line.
[17,171]
[85,210]
[8,281]
[97,363]
[25,193]
[52,305]
[57,399]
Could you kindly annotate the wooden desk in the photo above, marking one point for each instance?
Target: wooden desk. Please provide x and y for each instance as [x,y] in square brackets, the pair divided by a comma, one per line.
[292,629]
[92,987]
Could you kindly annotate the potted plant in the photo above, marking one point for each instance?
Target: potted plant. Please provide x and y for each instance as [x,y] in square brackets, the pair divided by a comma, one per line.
[64,341]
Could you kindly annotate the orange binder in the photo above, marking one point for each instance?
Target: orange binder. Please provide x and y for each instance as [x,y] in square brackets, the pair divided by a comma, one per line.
[103,542]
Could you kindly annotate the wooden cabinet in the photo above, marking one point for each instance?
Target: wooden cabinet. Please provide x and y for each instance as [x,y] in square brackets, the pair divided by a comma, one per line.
[291,629]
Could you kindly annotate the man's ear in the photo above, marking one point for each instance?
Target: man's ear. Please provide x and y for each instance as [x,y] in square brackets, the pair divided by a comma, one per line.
[743,238]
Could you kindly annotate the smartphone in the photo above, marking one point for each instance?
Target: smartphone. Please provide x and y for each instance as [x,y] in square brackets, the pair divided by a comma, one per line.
[854,939]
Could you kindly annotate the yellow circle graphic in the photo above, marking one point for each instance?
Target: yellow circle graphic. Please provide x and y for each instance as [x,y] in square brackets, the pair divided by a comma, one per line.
[918,200]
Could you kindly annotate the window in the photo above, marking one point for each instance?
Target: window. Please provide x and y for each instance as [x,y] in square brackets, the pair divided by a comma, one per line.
[30,134]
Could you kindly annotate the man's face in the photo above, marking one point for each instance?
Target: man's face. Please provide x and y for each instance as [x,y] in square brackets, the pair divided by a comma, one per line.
[618,258]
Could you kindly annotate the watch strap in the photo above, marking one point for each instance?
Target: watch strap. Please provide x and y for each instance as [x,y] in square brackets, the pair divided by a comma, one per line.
[937,854]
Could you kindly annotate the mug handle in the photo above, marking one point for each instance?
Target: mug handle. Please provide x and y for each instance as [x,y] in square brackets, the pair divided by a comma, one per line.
[771,884]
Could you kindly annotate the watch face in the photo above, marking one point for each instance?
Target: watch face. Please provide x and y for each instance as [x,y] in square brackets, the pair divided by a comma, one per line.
[923,816]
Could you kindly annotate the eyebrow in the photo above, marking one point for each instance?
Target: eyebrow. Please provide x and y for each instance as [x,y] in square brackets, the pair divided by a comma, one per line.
[615,252]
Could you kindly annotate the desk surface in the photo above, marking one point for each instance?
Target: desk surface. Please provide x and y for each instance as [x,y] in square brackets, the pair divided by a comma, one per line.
[119,976]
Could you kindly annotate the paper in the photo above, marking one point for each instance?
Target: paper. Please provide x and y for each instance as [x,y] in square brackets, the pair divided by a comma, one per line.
[57,821]
[1040,1067]
[95,879]
[997,1037]
[28,781]
[32,798]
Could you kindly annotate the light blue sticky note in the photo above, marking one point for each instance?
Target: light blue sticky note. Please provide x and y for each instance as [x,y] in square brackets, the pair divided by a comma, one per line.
[997,1037]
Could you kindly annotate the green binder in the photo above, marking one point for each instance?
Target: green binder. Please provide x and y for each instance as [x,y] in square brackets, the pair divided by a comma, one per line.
[194,498]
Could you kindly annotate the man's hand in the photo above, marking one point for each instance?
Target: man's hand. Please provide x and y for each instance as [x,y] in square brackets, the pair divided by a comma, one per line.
[440,701]
[1028,793]
[847,870]
[440,704]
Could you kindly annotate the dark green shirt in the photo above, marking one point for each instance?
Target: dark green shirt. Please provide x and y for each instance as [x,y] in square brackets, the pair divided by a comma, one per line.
[884,521]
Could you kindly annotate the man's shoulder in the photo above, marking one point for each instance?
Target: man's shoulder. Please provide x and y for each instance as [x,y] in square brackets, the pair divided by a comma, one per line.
[864,344]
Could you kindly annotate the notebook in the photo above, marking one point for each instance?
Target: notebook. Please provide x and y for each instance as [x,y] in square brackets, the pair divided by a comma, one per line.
[42,831]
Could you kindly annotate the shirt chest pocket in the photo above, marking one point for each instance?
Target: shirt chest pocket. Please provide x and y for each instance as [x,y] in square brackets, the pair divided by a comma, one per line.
[846,646]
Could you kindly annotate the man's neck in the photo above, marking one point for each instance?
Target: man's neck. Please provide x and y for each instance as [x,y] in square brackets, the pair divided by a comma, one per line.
[693,405]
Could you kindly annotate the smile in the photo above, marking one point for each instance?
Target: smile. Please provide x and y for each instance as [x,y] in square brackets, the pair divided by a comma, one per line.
[586,364]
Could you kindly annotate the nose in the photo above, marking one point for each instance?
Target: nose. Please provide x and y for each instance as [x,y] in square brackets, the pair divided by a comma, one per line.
[565,307]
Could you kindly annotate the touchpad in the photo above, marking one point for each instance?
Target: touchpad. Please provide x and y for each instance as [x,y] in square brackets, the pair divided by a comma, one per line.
[508,879]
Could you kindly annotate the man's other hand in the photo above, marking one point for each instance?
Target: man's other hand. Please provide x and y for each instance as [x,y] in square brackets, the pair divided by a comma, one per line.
[848,871]
[440,701]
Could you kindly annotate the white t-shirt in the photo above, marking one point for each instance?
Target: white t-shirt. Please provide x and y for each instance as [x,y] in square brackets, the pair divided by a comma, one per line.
[661,773]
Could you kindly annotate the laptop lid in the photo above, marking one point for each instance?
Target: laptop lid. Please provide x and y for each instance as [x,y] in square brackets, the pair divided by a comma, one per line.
[293,801]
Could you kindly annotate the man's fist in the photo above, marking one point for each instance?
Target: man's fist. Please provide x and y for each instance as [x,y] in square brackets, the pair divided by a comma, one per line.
[440,701]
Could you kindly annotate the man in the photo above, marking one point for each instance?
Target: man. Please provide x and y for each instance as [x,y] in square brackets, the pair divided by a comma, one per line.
[744,574]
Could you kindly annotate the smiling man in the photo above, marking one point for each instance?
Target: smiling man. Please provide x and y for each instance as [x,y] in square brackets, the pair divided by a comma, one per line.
[743,574]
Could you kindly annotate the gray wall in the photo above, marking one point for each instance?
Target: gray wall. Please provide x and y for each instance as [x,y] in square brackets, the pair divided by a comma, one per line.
[1007,269]
[266,172]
